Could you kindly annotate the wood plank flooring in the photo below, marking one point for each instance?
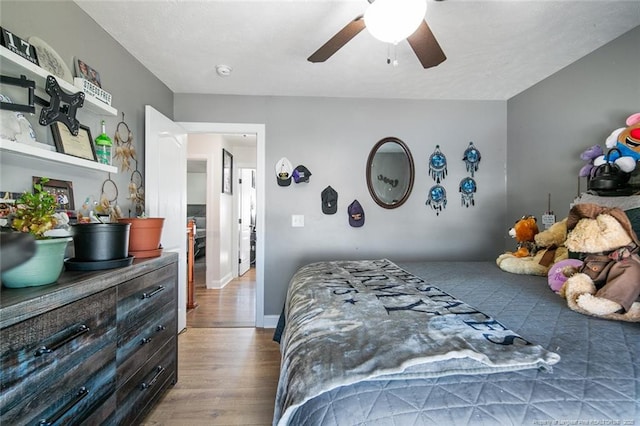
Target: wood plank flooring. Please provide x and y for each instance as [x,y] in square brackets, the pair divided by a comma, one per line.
[226,375]
[232,306]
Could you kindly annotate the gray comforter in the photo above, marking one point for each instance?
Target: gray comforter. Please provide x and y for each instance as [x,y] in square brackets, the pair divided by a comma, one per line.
[597,380]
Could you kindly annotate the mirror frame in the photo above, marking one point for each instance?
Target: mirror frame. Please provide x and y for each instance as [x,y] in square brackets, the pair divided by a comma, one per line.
[374,150]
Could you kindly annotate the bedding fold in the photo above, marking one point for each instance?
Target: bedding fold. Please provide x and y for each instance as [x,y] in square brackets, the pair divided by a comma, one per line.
[353,321]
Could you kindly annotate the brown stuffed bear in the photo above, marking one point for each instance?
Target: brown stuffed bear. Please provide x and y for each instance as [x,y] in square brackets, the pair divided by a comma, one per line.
[608,283]
[549,249]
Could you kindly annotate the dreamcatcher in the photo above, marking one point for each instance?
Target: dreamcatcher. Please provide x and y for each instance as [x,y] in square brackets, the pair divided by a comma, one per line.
[108,200]
[437,198]
[438,165]
[467,188]
[125,152]
[136,192]
[471,158]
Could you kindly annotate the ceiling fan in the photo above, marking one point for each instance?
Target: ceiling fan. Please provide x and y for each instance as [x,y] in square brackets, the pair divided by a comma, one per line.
[422,40]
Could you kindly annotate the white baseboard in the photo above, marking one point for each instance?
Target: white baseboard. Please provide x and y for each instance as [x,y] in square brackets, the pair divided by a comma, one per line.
[270,321]
[218,284]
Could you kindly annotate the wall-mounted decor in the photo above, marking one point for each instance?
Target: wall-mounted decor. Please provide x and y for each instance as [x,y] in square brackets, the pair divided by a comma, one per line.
[80,145]
[18,46]
[61,189]
[390,172]
[472,158]
[468,187]
[227,172]
[438,165]
[437,198]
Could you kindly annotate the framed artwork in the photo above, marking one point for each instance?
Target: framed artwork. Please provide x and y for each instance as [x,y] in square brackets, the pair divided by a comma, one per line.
[85,71]
[61,189]
[227,172]
[78,146]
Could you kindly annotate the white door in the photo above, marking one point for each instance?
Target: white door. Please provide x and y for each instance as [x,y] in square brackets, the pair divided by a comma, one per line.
[166,191]
[244,222]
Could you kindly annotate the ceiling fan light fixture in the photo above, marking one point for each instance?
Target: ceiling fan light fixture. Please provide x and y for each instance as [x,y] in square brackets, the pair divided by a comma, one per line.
[391,21]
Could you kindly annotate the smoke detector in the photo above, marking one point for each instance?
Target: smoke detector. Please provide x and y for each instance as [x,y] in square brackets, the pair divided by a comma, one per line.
[223,70]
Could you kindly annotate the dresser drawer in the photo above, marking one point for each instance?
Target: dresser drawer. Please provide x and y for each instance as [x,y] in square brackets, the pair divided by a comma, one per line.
[136,396]
[140,297]
[80,394]
[55,350]
[137,345]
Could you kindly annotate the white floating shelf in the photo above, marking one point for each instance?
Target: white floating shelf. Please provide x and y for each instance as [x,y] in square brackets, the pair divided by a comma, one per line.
[14,65]
[28,151]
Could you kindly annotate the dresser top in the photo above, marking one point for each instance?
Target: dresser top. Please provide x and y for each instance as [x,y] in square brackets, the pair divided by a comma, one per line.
[19,304]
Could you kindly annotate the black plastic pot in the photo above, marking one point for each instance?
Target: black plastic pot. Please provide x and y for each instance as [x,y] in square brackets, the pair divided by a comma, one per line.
[95,242]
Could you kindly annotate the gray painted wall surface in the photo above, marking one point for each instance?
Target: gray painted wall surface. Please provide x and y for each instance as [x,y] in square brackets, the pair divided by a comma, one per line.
[71,33]
[332,138]
[551,123]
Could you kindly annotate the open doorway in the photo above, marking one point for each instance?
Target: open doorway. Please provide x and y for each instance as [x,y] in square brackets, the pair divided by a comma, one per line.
[225,294]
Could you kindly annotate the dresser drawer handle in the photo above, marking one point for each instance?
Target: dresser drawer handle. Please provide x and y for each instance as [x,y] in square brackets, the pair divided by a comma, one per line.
[160,328]
[145,340]
[82,393]
[159,370]
[63,341]
[153,293]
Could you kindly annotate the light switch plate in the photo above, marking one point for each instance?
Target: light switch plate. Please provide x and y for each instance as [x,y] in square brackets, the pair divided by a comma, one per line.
[297,220]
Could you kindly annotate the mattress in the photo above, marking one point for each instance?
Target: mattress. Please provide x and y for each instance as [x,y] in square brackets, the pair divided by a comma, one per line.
[596,381]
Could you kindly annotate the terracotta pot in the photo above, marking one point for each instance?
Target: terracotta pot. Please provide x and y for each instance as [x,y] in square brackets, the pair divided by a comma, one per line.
[144,234]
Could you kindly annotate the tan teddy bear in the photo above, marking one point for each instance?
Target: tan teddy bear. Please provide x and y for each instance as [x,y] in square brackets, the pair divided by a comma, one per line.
[608,283]
[549,250]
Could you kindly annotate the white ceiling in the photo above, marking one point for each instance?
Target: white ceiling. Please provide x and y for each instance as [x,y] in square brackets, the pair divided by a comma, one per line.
[495,49]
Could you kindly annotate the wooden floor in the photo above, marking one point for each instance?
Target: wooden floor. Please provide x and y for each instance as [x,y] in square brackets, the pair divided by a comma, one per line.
[232,306]
[227,370]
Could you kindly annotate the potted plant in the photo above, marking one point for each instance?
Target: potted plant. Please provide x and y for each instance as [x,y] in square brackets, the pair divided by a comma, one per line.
[36,214]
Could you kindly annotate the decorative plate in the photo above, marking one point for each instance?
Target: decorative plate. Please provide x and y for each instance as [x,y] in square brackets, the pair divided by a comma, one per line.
[50,60]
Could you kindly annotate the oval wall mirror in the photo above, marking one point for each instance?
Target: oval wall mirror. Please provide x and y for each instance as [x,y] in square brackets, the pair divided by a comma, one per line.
[390,173]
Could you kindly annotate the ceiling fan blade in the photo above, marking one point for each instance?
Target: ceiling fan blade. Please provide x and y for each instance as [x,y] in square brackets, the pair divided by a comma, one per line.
[337,41]
[426,47]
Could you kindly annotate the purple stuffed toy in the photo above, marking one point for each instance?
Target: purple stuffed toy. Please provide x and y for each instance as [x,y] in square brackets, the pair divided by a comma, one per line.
[589,155]
[561,271]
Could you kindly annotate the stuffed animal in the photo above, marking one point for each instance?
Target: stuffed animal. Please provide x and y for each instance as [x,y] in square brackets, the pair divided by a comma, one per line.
[549,249]
[608,283]
[627,141]
[589,155]
[524,231]
[561,271]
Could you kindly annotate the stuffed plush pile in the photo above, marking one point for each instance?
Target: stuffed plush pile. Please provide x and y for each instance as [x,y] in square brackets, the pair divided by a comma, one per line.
[608,283]
[547,248]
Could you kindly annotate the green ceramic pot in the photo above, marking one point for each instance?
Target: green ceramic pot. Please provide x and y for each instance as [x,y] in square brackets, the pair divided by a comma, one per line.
[43,268]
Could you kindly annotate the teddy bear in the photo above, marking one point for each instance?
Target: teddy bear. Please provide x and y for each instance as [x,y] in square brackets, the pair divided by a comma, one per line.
[608,283]
[626,140]
[548,249]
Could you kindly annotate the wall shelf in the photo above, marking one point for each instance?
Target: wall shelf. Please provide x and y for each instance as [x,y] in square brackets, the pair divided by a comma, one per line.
[8,147]
[14,65]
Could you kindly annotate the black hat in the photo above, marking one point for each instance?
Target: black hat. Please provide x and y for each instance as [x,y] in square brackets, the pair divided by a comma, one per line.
[301,174]
[329,200]
[356,214]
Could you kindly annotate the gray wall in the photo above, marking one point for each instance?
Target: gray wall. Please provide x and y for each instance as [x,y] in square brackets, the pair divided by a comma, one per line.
[70,32]
[551,123]
[332,138]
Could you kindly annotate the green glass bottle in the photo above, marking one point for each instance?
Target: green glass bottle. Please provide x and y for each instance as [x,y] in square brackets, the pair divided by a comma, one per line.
[103,146]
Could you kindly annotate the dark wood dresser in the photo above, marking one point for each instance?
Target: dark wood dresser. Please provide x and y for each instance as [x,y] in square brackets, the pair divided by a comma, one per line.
[94,348]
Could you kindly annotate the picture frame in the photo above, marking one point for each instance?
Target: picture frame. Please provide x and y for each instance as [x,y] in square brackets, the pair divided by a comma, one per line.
[78,146]
[61,189]
[227,172]
[83,70]
[18,46]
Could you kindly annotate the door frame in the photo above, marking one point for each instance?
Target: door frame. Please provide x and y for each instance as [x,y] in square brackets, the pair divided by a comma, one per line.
[259,130]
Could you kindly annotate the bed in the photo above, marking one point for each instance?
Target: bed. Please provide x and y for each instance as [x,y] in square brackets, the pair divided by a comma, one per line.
[198,213]
[344,364]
